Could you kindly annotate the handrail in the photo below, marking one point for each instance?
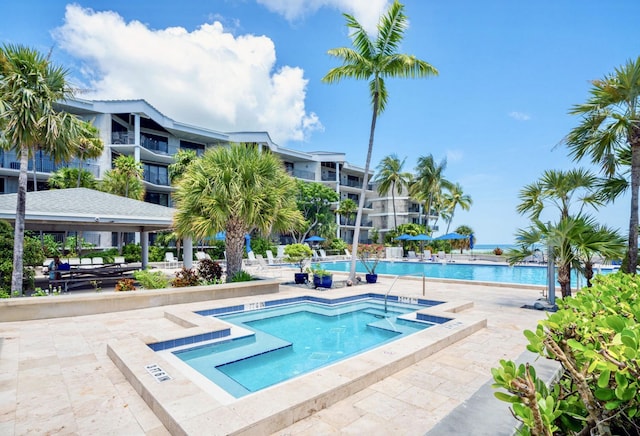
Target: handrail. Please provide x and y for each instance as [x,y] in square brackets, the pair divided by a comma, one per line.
[394,282]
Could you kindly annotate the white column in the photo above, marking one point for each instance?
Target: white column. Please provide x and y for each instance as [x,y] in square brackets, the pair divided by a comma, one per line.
[187,252]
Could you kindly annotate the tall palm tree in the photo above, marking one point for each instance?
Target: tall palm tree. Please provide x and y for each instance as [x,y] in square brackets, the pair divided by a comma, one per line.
[610,127]
[236,189]
[429,183]
[390,177]
[454,198]
[29,87]
[375,60]
[181,161]
[347,208]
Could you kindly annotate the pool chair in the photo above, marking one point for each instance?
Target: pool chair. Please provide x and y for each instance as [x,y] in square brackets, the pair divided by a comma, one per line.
[347,255]
[315,255]
[251,259]
[411,255]
[170,261]
[323,254]
[270,259]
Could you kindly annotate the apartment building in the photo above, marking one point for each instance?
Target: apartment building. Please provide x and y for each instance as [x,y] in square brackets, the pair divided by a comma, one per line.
[136,128]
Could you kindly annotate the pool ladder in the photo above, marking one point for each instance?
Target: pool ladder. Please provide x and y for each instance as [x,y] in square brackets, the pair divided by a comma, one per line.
[394,282]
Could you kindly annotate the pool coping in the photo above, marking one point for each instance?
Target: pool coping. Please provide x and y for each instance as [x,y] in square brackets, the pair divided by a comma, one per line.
[184,407]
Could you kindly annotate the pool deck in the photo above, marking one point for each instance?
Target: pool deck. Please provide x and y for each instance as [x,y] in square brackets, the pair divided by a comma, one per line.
[60,376]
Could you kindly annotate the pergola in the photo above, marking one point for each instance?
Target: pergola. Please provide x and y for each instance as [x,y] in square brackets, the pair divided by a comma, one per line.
[82,209]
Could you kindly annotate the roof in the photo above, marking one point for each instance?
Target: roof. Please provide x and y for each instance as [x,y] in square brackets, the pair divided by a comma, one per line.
[87,209]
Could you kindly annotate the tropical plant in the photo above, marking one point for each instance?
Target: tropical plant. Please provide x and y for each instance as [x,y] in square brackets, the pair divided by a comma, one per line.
[569,192]
[209,270]
[181,160]
[370,255]
[452,198]
[125,285]
[125,179]
[318,271]
[298,254]
[185,277]
[314,202]
[29,88]
[609,135]
[428,184]
[375,60]
[462,244]
[240,276]
[66,177]
[89,146]
[348,209]
[236,189]
[390,177]
[595,337]
[151,279]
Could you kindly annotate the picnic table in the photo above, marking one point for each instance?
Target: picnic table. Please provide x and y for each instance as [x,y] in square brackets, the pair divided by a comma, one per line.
[82,275]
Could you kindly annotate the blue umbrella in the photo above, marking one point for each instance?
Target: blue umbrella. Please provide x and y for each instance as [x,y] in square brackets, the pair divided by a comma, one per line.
[220,236]
[420,237]
[471,241]
[403,237]
[452,235]
[314,239]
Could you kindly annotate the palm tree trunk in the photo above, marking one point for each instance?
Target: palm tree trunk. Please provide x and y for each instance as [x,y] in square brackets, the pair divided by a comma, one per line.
[564,279]
[234,242]
[635,184]
[365,180]
[79,172]
[21,206]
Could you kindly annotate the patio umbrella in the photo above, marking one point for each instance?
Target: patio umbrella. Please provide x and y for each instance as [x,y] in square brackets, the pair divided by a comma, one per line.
[452,235]
[404,237]
[314,239]
[220,236]
[421,237]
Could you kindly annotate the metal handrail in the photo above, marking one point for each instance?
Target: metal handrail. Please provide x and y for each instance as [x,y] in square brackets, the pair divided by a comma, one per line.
[394,282]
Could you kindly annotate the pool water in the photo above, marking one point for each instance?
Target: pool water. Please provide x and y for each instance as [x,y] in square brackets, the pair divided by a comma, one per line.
[518,274]
[295,339]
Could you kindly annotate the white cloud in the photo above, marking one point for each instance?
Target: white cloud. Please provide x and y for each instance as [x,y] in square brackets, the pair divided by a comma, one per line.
[367,12]
[207,77]
[520,116]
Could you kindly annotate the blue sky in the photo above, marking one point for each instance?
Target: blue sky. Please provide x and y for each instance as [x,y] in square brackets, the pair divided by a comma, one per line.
[509,73]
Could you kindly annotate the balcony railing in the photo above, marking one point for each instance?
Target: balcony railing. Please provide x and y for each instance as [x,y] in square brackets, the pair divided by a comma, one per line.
[44,163]
[307,175]
[329,176]
[153,144]
[122,138]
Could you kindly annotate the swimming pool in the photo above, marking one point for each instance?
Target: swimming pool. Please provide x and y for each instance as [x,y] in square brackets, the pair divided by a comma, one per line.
[518,274]
[283,342]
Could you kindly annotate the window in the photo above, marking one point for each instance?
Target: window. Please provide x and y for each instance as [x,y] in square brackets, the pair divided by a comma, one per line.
[188,145]
[157,198]
[154,142]
[156,174]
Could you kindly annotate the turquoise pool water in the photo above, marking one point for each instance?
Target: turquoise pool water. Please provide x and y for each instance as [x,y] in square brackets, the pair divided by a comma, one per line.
[295,339]
[519,274]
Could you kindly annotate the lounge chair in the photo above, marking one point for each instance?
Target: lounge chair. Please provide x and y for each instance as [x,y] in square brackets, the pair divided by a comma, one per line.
[315,255]
[74,261]
[426,255]
[170,261]
[270,259]
[119,260]
[347,254]
[97,261]
[251,258]
[411,255]
[323,254]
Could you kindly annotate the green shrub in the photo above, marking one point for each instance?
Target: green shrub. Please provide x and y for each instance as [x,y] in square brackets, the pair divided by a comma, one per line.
[185,277]
[241,276]
[209,270]
[132,253]
[595,335]
[156,253]
[151,279]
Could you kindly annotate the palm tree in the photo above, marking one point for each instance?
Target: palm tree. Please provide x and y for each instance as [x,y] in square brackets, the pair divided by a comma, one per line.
[390,177]
[89,146]
[236,189]
[29,87]
[125,179]
[71,177]
[374,60]
[600,241]
[610,128]
[181,161]
[454,198]
[347,209]
[560,189]
[429,182]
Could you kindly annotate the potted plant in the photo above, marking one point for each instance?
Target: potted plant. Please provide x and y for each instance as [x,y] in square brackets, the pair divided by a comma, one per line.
[298,254]
[370,255]
[321,277]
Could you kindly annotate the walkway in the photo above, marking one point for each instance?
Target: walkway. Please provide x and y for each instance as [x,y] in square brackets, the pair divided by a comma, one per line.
[56,377]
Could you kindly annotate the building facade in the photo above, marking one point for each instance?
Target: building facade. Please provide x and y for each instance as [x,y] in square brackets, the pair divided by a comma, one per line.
[135,128]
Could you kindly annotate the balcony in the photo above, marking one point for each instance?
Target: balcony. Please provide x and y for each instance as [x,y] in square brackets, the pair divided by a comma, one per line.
[300,174]
[155,144]
[328,176]
[122,138]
